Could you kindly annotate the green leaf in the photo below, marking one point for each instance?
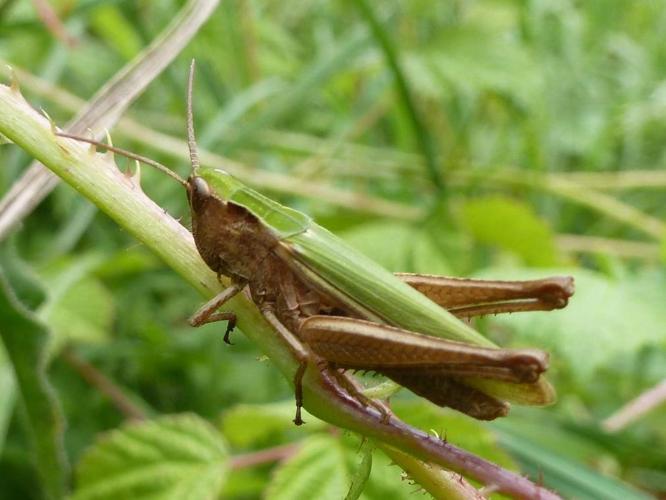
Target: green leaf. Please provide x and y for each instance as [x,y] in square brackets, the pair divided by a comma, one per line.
[246,425]
[312,79]
[171,457]
[473,58]
[362,474]
[371,239]
[26,285]
[25,340]
[324,467]
[128,262]
[511,225]
[84,313]
[318,471]
[120,34]
[79,307]
[398,247]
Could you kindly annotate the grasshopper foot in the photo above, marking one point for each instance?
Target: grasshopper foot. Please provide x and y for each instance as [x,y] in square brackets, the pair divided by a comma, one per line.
[297,419]
[231,324]
[298,389]
[351,389]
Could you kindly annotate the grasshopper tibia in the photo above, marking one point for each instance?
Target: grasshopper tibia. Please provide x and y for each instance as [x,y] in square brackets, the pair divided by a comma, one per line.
[301,354]
[207,314]
[350,386]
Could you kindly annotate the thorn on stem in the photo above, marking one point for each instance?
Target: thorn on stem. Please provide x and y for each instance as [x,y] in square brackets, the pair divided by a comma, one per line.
[135,176]
[54,129]
[13,79]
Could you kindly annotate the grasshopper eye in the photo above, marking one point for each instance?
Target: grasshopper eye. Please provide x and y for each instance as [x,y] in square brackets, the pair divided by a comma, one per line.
[199,187]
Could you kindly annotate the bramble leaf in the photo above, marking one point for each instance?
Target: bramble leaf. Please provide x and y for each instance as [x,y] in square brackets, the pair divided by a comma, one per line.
[318,470]
[25,340]
[174,457]
[246,425]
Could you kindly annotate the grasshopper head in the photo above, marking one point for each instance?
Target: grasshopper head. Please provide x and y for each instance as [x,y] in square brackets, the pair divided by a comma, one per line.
[230,238]
[198,191]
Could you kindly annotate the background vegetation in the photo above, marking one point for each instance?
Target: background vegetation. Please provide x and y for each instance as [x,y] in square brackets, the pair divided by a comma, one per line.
[527,140]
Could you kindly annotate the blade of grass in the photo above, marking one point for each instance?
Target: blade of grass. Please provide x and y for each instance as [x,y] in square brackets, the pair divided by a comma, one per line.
[312,79]
[421,133]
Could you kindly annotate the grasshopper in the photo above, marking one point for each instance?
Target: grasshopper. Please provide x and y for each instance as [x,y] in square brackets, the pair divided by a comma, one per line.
[339,309]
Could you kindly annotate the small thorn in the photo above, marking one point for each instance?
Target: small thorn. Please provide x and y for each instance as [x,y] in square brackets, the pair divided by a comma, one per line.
[14,83]
[135,176]
[54,129]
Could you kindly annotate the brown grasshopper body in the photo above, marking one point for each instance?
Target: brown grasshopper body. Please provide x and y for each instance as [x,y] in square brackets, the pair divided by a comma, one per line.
[234,243]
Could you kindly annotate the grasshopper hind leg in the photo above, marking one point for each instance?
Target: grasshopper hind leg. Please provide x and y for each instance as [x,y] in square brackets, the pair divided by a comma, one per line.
[299,352]
[351,388]
[304,357]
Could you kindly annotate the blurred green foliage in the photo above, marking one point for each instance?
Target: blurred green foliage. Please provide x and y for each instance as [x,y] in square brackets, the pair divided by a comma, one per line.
[548,121]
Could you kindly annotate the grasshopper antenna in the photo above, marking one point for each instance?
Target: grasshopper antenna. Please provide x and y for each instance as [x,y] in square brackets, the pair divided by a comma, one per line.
[127,154]
[191,140]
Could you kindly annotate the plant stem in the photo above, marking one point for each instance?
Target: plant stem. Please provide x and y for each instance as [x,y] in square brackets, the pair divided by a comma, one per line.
[636,408]
[103,384]
[275,454]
